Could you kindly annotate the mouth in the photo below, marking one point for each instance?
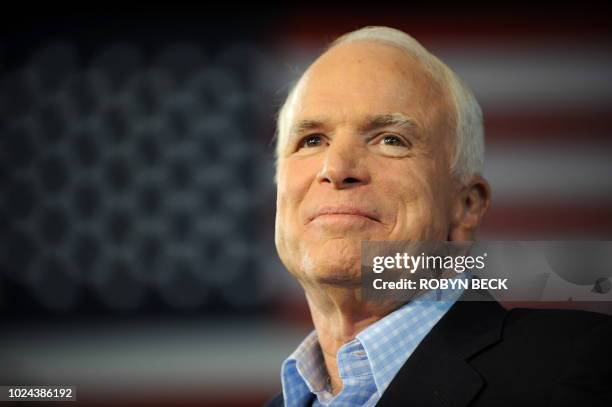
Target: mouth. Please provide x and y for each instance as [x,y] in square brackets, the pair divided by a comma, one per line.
[342,211]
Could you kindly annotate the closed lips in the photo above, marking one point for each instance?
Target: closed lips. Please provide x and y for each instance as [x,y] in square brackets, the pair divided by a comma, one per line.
[343,211]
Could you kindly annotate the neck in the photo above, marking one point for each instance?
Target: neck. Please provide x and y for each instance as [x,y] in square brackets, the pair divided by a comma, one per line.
[339,314]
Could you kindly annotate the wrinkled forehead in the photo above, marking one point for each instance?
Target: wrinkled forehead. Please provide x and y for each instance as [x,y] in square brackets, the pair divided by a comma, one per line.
[364,78]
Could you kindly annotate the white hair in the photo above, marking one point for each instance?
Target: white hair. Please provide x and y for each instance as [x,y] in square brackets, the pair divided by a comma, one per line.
[468,157]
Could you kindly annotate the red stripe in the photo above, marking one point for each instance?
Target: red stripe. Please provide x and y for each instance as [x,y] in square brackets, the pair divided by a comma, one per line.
[317,27]
[580,126]
[548,222]
[294,310]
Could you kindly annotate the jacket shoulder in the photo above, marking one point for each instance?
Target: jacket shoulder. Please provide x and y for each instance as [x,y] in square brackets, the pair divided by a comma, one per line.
[548,322]
[549,357]
[552,334]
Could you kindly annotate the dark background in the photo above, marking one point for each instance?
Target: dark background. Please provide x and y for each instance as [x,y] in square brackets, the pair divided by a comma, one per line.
[136,179]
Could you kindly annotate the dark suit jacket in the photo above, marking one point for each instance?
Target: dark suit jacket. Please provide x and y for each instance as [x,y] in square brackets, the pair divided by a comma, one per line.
[480,354]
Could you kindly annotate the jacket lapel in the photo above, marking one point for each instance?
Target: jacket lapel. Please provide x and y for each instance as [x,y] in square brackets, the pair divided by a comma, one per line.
[437,373]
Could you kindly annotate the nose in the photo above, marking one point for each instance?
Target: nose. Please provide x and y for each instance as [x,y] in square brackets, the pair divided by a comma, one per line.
[343,166]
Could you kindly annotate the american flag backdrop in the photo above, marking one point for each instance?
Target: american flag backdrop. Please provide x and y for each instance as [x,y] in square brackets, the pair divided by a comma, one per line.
[115,216]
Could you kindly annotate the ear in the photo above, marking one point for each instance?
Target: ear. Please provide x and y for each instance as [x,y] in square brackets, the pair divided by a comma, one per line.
[470,204]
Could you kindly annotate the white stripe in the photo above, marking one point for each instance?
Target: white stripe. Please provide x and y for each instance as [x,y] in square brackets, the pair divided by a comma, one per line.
[572,173]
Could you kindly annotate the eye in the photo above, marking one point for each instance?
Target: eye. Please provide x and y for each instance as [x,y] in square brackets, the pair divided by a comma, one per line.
[314,140]
[392,145]
[393,140]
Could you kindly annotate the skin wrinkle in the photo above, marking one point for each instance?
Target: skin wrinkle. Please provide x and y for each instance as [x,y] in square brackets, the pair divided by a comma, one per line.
[414,193]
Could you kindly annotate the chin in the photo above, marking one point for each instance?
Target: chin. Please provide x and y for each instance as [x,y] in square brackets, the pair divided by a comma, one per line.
[337,261]
[348,277]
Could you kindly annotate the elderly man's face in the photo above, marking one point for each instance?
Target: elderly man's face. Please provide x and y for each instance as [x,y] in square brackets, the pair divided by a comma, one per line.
[367,159]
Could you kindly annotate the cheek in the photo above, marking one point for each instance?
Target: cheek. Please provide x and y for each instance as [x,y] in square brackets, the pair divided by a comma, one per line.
[295,177]
[421,199]
[293,183]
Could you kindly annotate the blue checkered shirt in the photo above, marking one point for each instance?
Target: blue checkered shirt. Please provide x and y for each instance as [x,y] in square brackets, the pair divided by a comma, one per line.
[368,363]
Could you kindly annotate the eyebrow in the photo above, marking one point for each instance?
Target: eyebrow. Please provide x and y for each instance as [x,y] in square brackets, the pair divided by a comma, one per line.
[305,125]
[390,120]
[371,123]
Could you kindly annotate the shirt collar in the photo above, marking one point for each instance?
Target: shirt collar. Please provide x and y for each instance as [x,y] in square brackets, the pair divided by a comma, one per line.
[388,343]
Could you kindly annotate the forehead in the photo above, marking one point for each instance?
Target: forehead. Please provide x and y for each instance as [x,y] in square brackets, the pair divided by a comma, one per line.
[362,78]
